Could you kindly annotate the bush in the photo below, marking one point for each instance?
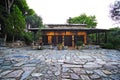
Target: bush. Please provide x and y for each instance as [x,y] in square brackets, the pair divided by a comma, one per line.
[79,43]
[60,46]
[107,46]
[113,39]
[28,38]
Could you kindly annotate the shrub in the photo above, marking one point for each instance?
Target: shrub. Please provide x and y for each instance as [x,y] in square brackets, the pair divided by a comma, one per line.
[113,39]
[107,46]
[60,46]
[79,43]
[28,38]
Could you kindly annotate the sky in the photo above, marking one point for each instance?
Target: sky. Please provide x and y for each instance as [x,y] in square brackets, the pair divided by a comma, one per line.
[58,11]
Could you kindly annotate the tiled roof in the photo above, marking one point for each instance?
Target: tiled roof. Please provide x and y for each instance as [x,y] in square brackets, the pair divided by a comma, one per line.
[66,25]
[59,27]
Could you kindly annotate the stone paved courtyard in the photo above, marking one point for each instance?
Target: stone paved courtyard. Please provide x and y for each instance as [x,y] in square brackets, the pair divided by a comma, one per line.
[27,64]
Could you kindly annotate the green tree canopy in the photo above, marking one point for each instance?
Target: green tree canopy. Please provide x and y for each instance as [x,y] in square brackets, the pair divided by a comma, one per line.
[34,21]
[113,39]
[22,5]
[13,15]
[83,19]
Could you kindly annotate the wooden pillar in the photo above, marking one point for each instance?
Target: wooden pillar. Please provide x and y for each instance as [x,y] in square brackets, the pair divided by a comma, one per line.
[85,38]
[98,38]
[73,44]
[34,32]
[63,40]
[105,37]
[49,39]
[57,39]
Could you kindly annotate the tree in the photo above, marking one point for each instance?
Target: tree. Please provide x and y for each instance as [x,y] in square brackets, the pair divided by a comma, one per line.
[8,5]
[22,5]
[34,21]
[13,19]
[115,11]
[5,6]
[113,39]
[17,22]
[83,19]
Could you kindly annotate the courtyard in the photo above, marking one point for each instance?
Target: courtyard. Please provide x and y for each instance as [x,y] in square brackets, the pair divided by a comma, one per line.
[85,64]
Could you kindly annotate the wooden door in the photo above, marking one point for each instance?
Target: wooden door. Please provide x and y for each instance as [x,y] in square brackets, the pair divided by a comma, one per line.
[68,40]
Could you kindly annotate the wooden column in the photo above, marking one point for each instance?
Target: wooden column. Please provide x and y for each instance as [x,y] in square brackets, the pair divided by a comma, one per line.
[49,39]
[85,39]
[96,38]
[73,44]
[63,40]
[105,37]
[34,33]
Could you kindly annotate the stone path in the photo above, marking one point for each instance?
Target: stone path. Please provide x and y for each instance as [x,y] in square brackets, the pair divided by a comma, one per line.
[26,64]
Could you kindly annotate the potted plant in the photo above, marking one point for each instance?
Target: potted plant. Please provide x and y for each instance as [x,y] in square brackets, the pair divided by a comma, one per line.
[60,46]
[79,44]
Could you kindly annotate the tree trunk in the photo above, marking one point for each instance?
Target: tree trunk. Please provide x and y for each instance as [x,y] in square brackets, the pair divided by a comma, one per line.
[5,39]
[6,5]
[10,3]
[13,39]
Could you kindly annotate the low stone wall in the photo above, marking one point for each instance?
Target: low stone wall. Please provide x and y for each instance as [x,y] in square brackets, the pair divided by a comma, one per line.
[16,44]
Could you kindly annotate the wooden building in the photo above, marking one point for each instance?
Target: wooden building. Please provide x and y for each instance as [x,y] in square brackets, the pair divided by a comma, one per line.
[68,34]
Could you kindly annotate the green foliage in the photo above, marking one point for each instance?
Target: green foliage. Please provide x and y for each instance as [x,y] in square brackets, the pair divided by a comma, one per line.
[38,35]
[60,46]
[35,21]
[28,37]
[113,39]
[107,45]
[22,5]
[84,19]
[13,20]
[79,43]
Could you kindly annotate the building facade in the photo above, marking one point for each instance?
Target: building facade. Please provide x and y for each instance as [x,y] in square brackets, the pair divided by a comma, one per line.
[67,34]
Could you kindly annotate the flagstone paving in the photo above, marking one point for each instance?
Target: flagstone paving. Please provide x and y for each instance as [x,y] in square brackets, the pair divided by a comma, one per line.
[90,64]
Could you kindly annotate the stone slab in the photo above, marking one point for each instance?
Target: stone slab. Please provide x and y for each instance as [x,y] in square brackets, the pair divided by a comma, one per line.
[6,63]
[5,72]
[74,76]
[27,72]
[9,79]
[19,64]
[85,77]
[36,74]
[99,72]
[57,73]
[15,74]
[65,69]
[34,61]
[94,76]
[70,65]
[29,65]
[79,71]
[100,61]
[89,72]
[106,72]
[75,62]
[66,79]
[90,65]
[6,67]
